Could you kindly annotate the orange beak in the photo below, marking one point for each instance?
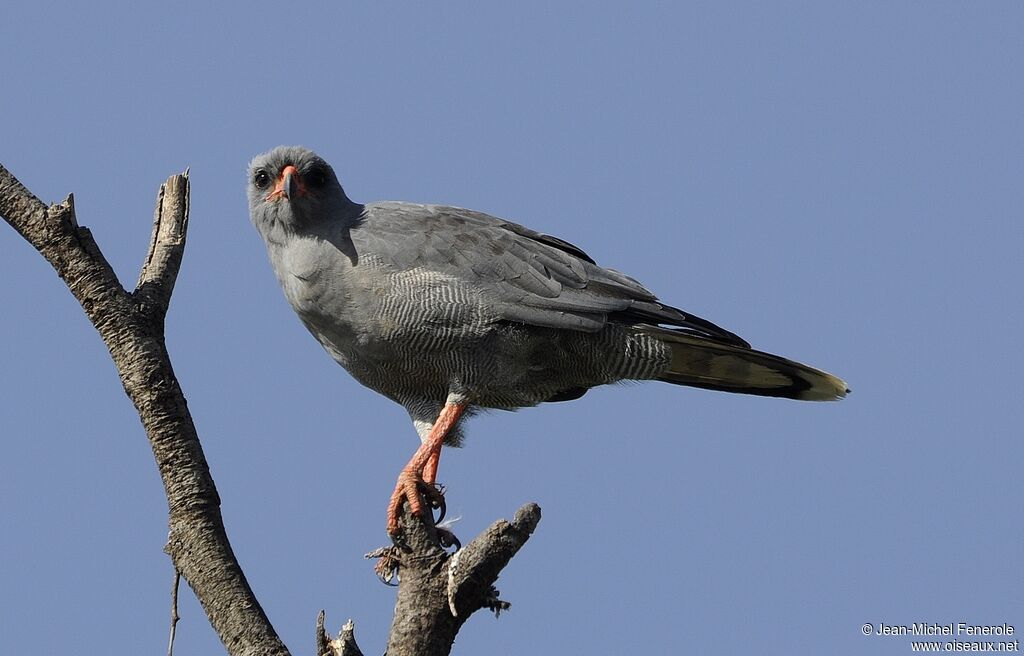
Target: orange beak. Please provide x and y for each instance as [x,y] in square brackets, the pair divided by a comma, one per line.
[288,184]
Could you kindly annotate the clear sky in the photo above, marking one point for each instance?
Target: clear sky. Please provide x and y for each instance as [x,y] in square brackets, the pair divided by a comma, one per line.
[840,183]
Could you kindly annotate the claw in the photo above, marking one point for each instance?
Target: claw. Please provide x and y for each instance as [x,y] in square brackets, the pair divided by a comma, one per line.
[387,565]
[436,500]
[386,573]
[447,538]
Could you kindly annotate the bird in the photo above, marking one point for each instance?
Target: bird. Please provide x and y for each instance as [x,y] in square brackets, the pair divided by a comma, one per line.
[449,311]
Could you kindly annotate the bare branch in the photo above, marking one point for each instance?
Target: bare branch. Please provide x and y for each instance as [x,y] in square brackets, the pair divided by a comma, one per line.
[174,612]
[323,639]
[19,207]
[474,572]
[70,249]
[166,246]
[343,645]
[346,642]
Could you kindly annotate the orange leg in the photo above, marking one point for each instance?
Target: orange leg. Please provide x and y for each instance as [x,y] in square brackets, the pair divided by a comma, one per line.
[422,465]
[430,469]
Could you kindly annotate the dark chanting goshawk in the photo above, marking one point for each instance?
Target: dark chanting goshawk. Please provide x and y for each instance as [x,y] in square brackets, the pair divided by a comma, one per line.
[446,310]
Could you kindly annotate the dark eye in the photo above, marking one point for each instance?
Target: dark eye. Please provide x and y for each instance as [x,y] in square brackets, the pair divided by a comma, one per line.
[317,177]
[261,179]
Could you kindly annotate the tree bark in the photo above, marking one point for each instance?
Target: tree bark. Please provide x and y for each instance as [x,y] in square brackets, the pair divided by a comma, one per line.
[438,591]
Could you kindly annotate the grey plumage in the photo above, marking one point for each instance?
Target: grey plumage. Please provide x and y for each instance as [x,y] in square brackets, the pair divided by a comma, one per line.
[427,304]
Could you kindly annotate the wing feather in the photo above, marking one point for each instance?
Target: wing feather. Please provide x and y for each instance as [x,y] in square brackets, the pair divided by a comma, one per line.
[526,276]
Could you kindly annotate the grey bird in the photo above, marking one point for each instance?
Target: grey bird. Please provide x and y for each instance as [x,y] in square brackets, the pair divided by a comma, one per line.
[446,310]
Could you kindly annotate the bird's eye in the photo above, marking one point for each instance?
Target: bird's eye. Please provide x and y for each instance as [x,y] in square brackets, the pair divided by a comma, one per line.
[261,179]
[317,177]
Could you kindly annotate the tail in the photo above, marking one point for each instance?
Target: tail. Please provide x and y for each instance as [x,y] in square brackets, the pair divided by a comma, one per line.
[698,362]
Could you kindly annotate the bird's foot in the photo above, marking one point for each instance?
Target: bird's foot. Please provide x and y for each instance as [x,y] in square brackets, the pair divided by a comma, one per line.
[411,487]
[437,502]
[388,561]
[447,538]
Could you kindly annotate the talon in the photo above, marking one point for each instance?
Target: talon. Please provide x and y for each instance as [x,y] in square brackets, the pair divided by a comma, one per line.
[385,572]
[437,501]
[448,539]
[387,565]
[433,494]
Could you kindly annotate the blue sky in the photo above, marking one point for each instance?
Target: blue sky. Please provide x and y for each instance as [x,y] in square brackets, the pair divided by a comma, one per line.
[839,183]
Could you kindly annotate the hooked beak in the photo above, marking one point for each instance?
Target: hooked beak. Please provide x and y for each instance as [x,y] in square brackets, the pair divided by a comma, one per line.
[288,185]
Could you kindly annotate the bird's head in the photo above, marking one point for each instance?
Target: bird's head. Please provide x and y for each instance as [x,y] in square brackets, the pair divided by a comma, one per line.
[293,189]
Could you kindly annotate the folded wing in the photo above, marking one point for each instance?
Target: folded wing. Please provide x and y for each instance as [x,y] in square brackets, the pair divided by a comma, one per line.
[526,276]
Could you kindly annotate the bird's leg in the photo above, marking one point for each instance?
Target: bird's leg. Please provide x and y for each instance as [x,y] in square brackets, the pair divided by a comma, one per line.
[413,474]
[430,469]
[430,481]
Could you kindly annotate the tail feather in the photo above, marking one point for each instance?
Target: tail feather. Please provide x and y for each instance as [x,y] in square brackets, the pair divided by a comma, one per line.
[714,365]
